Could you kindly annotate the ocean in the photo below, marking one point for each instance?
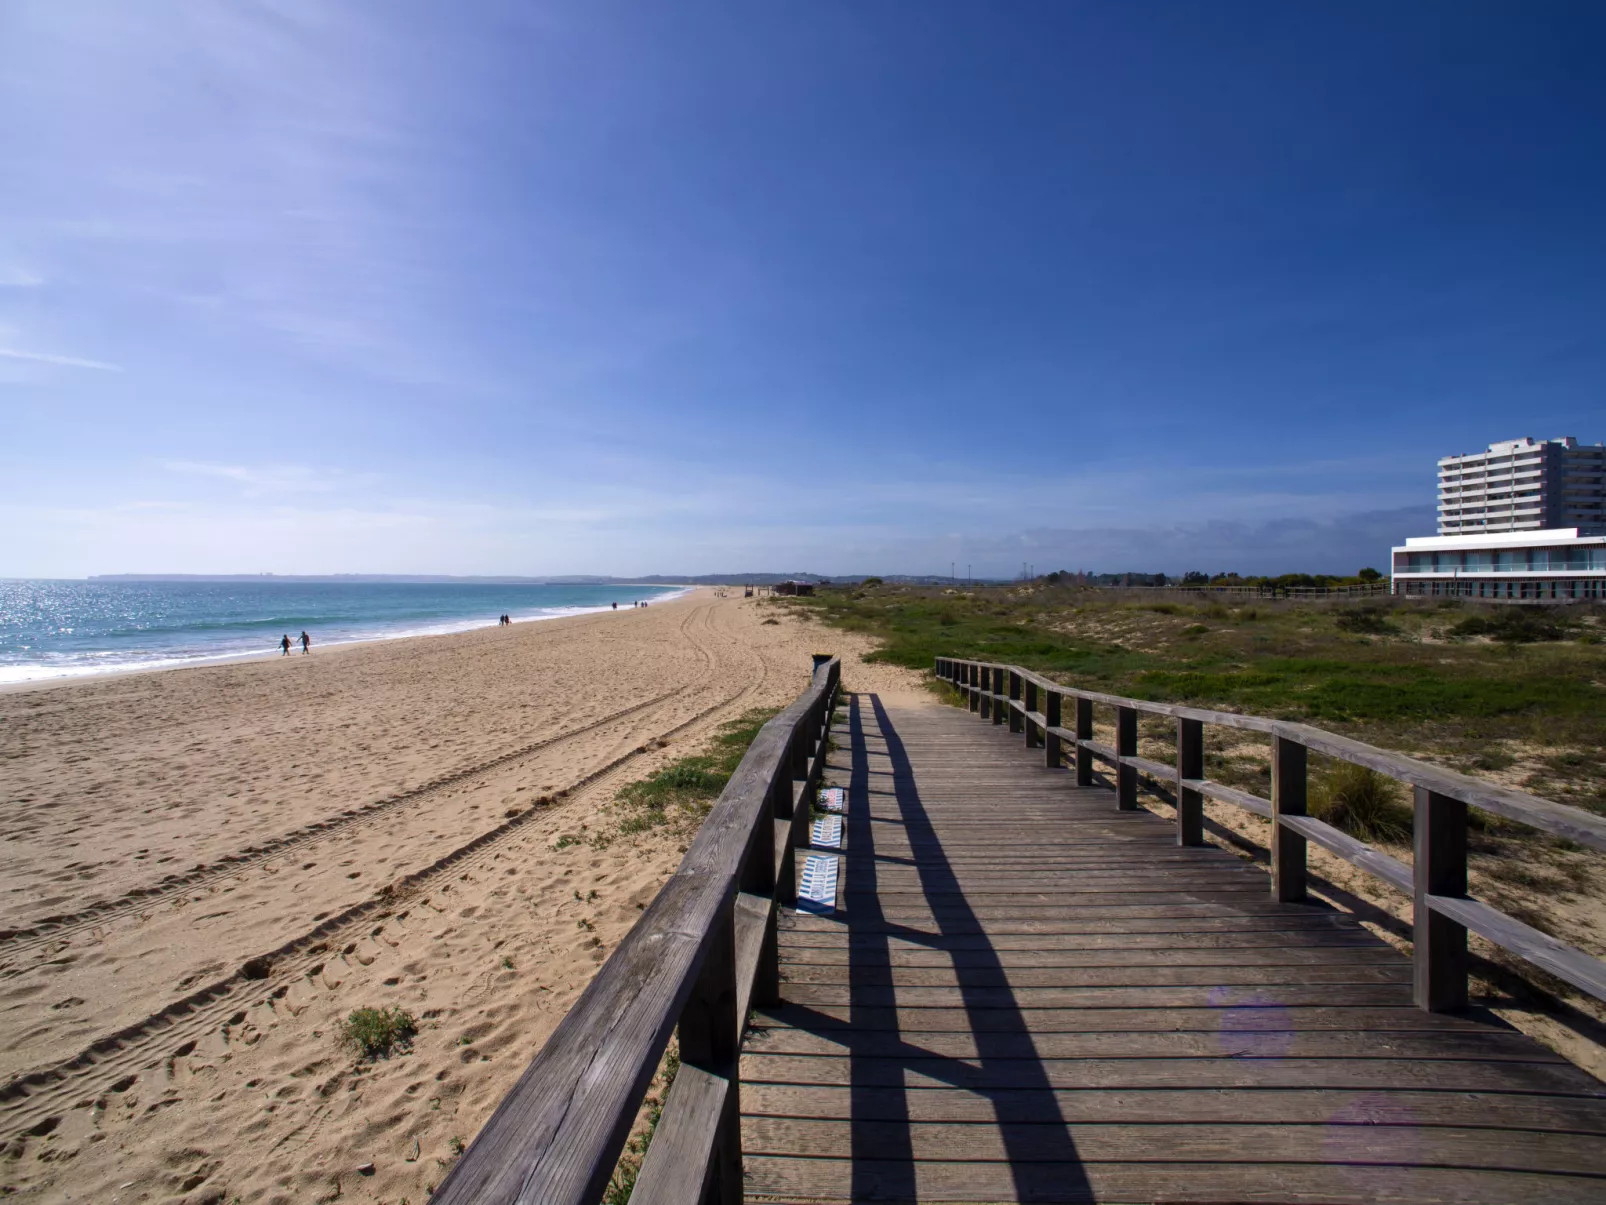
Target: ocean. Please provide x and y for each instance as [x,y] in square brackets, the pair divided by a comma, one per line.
[56,629]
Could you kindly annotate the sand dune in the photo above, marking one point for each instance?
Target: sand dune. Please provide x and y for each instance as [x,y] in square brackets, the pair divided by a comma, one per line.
[205,870]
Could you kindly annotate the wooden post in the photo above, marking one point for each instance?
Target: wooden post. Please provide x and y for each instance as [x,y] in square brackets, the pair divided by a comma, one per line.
[710,1040]
[1084,732]
[1016,721]
[1052,714]
[1000,696]
[973,676]
[797,752]
[760,876]
[1287,799]
[986,689]
[1190,764]
[1032,734]
[780,806]
[1126,745]
[1439,944]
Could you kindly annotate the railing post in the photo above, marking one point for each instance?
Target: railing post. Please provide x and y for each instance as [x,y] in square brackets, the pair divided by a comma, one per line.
[798,750]
[762,876]
[1126,745]
[973,682]
[1439,951]
[1288,763]
[1029,691]
[710,1040]
[1084,732]
[1053,715]
[986,689]
[780,806]
[1190,764]
[1000,696]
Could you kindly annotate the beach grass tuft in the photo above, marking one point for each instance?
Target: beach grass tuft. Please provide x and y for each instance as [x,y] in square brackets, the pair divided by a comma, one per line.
[375,1033]
[1361,802]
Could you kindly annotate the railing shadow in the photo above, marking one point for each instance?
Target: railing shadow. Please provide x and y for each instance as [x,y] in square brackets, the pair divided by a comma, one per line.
[1006,1069]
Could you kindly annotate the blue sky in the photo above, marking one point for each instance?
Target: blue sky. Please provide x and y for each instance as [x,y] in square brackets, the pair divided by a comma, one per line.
[628,288]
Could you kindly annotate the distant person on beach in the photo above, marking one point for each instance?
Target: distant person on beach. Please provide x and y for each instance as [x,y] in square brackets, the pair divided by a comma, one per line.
[615,606]
[306,644]
[284,646]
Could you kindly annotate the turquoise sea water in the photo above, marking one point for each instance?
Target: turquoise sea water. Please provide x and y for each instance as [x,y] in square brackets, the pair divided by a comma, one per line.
[52,629]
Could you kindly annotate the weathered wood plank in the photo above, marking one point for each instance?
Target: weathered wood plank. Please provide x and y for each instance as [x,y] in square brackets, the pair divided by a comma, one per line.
[1025,1142]
[1227,1041]
[1353,954]
[1371,1075]
[1176,1106]
[975,978]
[1369,1018]
[1560,959]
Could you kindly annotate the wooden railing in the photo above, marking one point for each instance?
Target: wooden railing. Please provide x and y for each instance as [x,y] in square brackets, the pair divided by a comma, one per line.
[701,953]
[1437,880]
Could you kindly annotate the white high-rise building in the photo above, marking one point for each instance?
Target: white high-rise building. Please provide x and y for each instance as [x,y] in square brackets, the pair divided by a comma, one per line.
[1524,485]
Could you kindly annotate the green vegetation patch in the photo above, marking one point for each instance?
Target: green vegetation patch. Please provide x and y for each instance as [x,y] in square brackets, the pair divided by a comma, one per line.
[1399,673]
[377,1033]
[1517,625]
[686,788]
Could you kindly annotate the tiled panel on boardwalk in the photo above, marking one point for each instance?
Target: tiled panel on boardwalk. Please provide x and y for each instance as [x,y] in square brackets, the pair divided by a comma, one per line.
[1027,995]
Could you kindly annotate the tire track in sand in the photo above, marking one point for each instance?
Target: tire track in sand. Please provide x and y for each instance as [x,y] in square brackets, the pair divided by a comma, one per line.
[34,1102]
[51,929]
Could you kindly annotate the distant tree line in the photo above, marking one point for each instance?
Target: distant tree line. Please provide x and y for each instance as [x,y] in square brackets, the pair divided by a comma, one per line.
[1200,579]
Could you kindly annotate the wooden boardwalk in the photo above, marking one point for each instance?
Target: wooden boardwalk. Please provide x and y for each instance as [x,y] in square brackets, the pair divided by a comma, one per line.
[1026,994]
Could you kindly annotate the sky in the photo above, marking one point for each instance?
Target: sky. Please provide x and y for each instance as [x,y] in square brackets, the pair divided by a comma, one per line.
[522,288]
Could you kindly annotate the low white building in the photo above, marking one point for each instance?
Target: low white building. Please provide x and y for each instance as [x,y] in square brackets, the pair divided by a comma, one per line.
[1557,564]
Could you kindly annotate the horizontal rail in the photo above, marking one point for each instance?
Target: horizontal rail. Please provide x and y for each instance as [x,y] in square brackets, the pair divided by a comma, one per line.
[699,955]
[1437,878]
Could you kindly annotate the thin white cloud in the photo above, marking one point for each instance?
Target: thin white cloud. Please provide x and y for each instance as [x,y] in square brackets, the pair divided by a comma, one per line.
[19,278]
[42,357]
[264,478]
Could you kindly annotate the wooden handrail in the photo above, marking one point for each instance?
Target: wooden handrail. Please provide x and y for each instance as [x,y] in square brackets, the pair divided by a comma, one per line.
[700,953]
[1437,880]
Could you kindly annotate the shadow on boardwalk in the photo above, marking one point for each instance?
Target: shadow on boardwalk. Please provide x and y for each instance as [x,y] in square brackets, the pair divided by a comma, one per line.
[1028,1116]
[1027,994]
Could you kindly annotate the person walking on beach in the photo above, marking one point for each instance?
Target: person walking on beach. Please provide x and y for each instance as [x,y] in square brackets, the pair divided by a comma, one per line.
[284,646]
[306,643]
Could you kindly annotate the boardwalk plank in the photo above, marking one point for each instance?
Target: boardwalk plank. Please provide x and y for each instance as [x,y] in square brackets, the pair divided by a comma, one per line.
[1176,1106]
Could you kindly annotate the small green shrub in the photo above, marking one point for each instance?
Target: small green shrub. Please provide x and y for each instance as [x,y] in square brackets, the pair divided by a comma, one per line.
[1366,621]
[872,581]
[1362,802]
[1515,625]
[374,1033]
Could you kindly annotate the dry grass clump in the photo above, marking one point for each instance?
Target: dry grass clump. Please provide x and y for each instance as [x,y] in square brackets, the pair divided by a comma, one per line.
[1361,802]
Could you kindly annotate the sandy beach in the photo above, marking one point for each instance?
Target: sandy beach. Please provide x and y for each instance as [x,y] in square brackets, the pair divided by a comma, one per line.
[205,870]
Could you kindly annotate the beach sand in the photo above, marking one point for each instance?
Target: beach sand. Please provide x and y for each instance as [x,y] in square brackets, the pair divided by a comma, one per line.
[205,870]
